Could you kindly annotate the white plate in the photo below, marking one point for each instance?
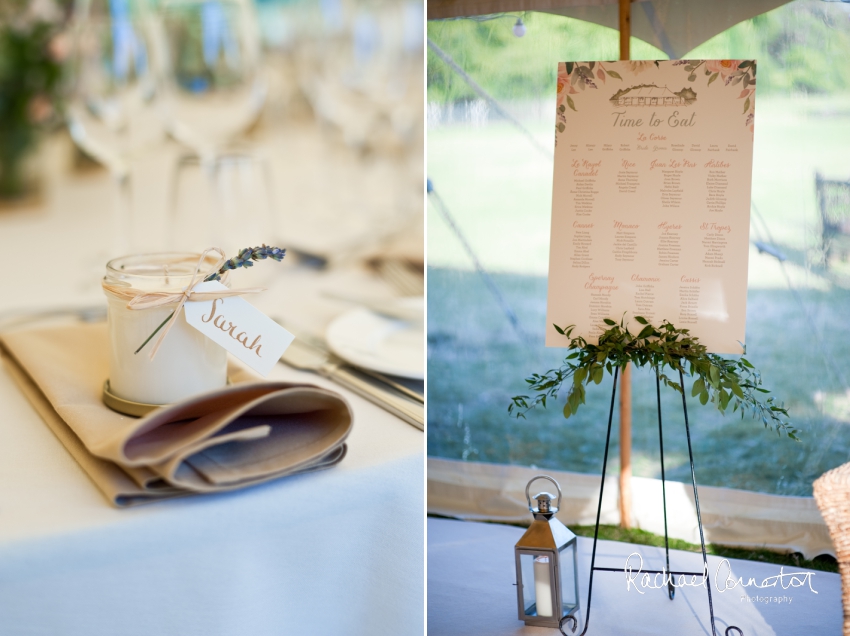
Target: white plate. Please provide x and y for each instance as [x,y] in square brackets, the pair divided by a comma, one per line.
[375,342]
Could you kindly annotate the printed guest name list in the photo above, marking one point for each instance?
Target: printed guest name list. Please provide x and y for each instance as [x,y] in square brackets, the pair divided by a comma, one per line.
[651,197]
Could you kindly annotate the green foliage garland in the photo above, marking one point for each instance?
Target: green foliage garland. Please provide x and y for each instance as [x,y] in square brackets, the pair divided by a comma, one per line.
[718,380]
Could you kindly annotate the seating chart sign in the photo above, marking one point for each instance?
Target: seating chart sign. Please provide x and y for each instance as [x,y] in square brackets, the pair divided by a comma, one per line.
[651,197]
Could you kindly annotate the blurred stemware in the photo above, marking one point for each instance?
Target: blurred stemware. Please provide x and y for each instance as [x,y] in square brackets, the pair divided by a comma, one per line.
[215,90]
[362,72]
[216,87]
[242,197]
[115,75]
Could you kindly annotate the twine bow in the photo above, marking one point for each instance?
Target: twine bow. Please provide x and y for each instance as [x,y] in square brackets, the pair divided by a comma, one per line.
[140,300]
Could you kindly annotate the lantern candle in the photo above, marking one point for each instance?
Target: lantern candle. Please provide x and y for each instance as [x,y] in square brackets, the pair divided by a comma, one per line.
[546,564]
[542,586]
[187,362]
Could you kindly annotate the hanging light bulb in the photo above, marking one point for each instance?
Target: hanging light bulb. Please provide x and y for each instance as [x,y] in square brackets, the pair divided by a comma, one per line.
[519,28]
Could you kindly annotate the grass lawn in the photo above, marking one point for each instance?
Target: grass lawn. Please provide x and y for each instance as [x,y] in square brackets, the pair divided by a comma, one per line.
[822,563]
[499,186]
[476,362]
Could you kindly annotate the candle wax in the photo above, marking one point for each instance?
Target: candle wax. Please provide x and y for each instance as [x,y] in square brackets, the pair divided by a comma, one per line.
[542,586]
[186,363]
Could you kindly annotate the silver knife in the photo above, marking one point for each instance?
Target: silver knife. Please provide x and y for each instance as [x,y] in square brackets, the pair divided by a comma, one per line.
[304,356]
[408,387]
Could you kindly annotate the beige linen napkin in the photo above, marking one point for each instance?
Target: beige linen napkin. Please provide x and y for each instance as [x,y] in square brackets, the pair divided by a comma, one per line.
[244,434]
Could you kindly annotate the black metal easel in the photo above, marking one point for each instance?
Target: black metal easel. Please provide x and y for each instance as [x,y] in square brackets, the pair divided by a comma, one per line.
[671,590]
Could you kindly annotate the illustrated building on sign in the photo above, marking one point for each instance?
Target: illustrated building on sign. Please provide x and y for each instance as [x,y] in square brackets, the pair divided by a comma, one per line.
[652,95]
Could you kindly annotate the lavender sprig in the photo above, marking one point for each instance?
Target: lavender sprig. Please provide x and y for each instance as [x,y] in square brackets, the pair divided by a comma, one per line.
[244,258]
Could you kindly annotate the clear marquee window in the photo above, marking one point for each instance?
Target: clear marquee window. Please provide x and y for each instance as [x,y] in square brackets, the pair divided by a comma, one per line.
[490,164]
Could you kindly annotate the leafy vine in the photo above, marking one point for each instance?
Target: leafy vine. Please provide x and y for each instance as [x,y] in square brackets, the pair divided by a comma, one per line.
[723,382]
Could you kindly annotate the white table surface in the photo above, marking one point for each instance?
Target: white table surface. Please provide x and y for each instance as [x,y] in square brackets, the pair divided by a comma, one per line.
[471,576]
[335,552]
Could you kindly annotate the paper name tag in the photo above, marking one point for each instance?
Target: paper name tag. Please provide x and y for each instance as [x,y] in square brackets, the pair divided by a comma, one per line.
[239,327]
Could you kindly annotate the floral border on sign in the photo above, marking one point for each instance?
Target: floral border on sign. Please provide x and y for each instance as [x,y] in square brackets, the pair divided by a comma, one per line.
[581,75]
[731,73]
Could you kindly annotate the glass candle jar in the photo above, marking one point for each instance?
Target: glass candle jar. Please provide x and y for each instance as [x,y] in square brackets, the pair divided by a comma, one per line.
[187,362]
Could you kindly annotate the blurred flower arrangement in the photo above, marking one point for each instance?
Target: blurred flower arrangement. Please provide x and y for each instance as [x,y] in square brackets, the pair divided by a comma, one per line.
[32,48]
[730,72]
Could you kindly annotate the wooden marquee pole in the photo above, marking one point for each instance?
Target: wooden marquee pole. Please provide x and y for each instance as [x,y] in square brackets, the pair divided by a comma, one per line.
[625,28]
[626,380]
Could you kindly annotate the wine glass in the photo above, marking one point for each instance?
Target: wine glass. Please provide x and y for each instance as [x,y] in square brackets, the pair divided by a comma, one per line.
[243,196]
[115,76]
[215,85]
[215,90]
[362,78]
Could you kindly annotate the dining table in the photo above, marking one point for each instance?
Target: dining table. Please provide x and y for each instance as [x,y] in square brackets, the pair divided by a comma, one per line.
[472,589]
[338,551]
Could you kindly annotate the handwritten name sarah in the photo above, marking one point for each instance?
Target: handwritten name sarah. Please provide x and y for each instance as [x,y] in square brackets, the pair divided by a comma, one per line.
[229,328]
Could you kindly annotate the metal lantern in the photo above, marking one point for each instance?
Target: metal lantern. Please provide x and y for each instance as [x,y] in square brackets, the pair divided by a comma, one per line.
[546,568]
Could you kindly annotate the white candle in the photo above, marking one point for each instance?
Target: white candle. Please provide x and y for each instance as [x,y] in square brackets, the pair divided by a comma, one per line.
[542,586]
[187,363]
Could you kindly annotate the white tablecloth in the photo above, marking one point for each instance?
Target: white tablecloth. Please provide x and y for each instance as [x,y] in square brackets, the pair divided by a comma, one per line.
[335,552]
[471,576]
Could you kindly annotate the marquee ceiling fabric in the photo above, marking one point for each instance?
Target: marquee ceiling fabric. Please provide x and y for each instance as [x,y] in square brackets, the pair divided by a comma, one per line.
[674,26]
